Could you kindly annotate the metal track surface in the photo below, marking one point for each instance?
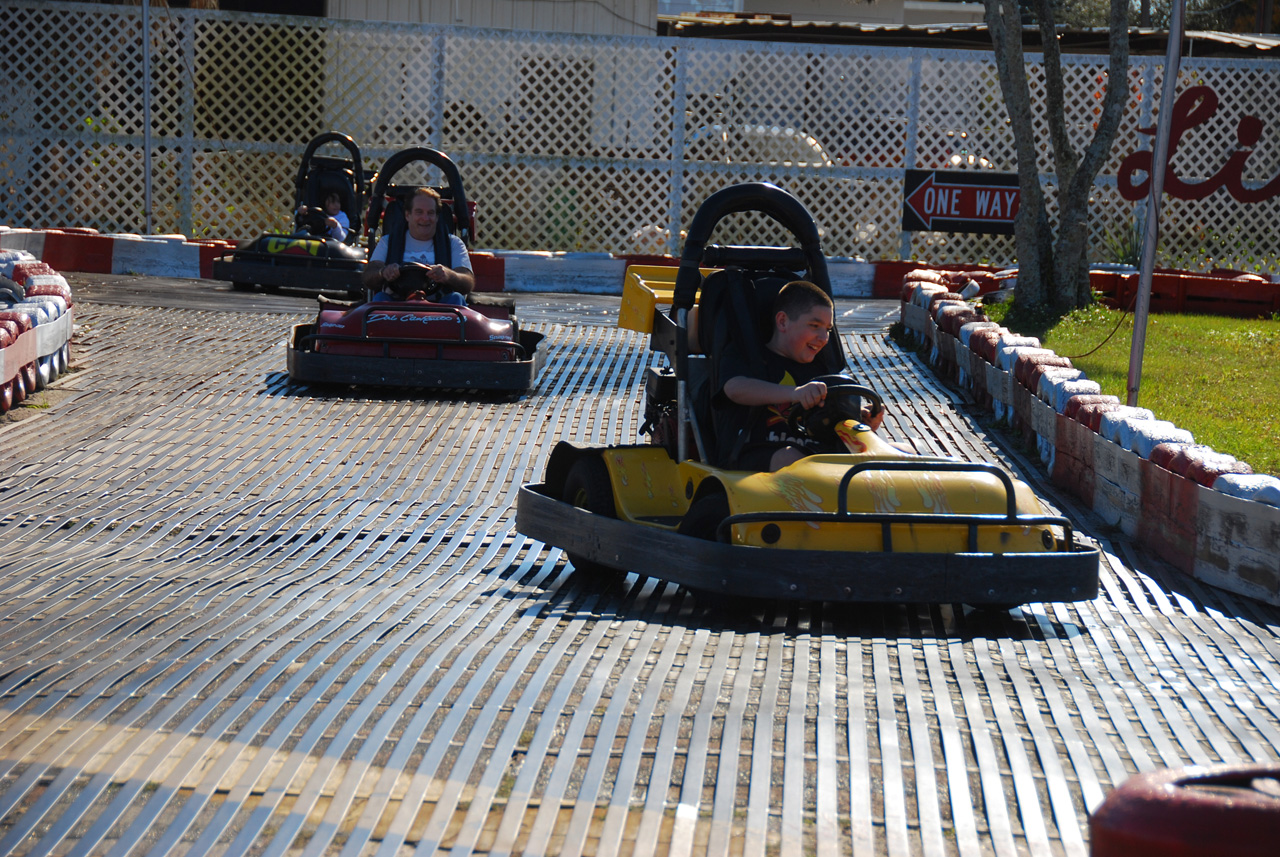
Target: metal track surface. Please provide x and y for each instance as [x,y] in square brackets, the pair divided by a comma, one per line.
[240,616]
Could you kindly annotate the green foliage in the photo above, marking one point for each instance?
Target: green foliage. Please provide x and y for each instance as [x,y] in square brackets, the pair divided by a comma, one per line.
[898,335]
[1242,251]
[1199,14]
[1029,321]
[102,125]
[1123,245]
[1211,375]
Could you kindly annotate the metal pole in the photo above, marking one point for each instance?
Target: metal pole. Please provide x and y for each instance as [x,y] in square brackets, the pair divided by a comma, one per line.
[1159,159]
[146,115]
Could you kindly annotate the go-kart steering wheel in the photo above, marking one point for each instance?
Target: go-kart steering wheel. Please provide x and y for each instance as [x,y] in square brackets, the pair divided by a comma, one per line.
[843,402]
[314,221]
[413,279]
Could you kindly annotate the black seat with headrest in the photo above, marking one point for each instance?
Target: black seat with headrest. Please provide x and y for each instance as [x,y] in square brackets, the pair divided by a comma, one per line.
[735,304]
[735,301]
[389,202]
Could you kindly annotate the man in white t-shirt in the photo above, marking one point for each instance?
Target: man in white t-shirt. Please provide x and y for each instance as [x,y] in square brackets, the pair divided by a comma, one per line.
[454,280]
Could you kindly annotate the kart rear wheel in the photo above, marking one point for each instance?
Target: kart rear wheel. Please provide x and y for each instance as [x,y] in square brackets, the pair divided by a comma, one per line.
[587,486]
[704,517]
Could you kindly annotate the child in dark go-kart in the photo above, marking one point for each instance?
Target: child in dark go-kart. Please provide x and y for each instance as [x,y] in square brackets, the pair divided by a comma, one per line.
[761,403]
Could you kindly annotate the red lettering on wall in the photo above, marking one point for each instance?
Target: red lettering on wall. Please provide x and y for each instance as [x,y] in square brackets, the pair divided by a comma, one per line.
[1195,106]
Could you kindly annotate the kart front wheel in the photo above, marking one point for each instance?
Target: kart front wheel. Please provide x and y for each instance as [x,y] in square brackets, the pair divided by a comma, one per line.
[587,486]
[704,516]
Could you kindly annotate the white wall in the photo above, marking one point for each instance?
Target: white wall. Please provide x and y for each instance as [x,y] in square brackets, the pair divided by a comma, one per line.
[876,12]
[882,12]
[928,12]
[587,17]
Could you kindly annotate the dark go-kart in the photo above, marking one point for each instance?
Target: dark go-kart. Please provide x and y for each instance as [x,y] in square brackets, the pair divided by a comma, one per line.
[418,341]
[307,258]
[869,523]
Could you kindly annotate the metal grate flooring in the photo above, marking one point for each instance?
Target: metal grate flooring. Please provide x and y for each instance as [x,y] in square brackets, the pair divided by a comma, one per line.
[243,617]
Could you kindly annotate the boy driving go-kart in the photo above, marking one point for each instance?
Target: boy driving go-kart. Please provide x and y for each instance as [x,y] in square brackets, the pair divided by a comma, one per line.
[322,253]
[755,409]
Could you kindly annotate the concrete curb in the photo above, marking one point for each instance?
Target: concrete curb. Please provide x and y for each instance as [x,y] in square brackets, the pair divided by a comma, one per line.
[1106,454]
[92,252]
[603,273]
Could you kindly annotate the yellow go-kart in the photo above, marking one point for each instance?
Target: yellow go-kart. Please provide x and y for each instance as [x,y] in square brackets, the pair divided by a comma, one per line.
[866,523]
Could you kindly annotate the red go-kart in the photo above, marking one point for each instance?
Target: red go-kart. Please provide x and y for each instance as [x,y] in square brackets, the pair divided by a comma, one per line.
[418,342]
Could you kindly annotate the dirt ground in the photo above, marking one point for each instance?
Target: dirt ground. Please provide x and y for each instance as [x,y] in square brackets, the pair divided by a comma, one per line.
[39,402]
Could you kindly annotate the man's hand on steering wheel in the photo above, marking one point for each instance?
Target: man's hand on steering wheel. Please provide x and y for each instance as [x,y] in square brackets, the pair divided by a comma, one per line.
[438,274]
[413,277]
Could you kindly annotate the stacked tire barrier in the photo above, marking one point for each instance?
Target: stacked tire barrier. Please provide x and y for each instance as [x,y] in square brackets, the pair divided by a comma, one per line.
[1203,511]
[36,321]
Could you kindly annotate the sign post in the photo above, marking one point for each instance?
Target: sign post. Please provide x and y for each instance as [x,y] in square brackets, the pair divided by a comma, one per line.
[146,116]
[1160,156]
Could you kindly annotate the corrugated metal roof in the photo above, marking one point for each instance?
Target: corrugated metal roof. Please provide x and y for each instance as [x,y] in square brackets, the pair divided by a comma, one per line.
[1197,43]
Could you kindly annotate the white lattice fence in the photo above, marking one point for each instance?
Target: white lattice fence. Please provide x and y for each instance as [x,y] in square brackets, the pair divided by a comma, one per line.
[568,142]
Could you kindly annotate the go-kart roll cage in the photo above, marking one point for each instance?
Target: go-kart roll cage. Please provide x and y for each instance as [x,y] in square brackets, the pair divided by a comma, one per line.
[459,209]
[671,334]
[309,155]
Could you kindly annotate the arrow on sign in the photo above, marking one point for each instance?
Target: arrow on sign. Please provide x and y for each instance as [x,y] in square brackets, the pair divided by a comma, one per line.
[953,200]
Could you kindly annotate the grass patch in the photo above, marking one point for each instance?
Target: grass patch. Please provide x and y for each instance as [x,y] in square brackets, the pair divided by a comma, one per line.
[1211,375]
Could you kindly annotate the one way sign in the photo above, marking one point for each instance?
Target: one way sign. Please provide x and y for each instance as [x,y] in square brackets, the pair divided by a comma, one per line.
[960,201]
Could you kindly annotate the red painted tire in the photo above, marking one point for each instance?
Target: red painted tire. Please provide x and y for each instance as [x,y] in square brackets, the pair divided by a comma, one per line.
[983,343]
[55,289]
[1206,470]
[6,397]
[1075,403]
[19,386]
[22,270]
[21,319]
[1220,811]
[1164,454]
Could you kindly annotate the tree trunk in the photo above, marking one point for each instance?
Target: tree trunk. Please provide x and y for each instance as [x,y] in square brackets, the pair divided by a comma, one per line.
[1032,232]
[1055,270]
